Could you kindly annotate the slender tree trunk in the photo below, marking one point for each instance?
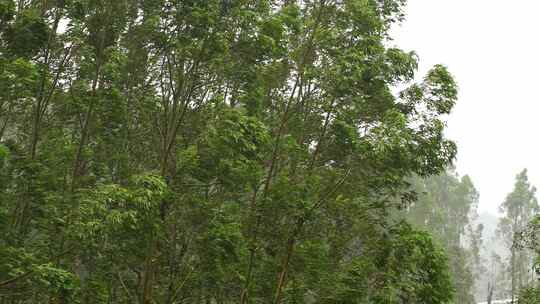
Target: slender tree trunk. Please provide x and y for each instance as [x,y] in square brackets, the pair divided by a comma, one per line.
[284,269]
[266,189]
[277,144]
[85,131]
[146,296]
[490,293]
[513,273]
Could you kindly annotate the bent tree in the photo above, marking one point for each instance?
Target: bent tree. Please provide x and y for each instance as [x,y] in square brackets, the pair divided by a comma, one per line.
[216,151]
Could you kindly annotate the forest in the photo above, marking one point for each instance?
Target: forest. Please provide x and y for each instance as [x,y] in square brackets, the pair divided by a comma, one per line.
[238,151]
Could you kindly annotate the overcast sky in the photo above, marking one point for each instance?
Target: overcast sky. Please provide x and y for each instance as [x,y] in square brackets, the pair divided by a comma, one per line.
[492,47]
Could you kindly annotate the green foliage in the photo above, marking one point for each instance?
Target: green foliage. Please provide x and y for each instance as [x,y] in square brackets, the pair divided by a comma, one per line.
[442,91]
[415,271]
[28,34]
[215,152]
[7,10]
[519,208]
[116,212]
[527,240]
[529,296]
[4,153]
[446,208]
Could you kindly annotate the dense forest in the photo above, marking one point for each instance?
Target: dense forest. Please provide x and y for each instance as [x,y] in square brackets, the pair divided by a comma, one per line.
[235,151]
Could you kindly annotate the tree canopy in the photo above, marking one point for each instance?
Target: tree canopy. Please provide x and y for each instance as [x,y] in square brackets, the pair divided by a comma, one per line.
[174,151]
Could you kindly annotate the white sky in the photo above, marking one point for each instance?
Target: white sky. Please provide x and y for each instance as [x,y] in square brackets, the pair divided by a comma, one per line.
[492,47]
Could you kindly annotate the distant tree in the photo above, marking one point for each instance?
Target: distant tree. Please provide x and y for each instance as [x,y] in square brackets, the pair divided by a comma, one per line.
[530,239]
[447,207]
[498,280]
[518,209]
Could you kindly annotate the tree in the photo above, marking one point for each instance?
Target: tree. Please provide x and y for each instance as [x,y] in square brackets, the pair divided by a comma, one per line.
[446,208]
[519,208]
[528,240]
[498,278]
[172,151]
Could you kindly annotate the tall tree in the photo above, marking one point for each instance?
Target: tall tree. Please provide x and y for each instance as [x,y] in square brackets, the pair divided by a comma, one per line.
[529,239]
[498,282]
[173,151]
[519,208]
[447,208]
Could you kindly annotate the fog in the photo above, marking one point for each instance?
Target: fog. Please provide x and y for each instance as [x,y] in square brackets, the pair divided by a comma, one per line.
[491,49]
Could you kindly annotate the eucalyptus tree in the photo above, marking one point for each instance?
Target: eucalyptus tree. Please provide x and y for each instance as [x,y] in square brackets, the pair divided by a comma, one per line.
[528,239]
[447,208]
[519,209]
[215,152]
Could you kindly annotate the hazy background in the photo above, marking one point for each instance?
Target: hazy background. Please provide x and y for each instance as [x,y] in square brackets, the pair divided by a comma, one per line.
[492,47]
